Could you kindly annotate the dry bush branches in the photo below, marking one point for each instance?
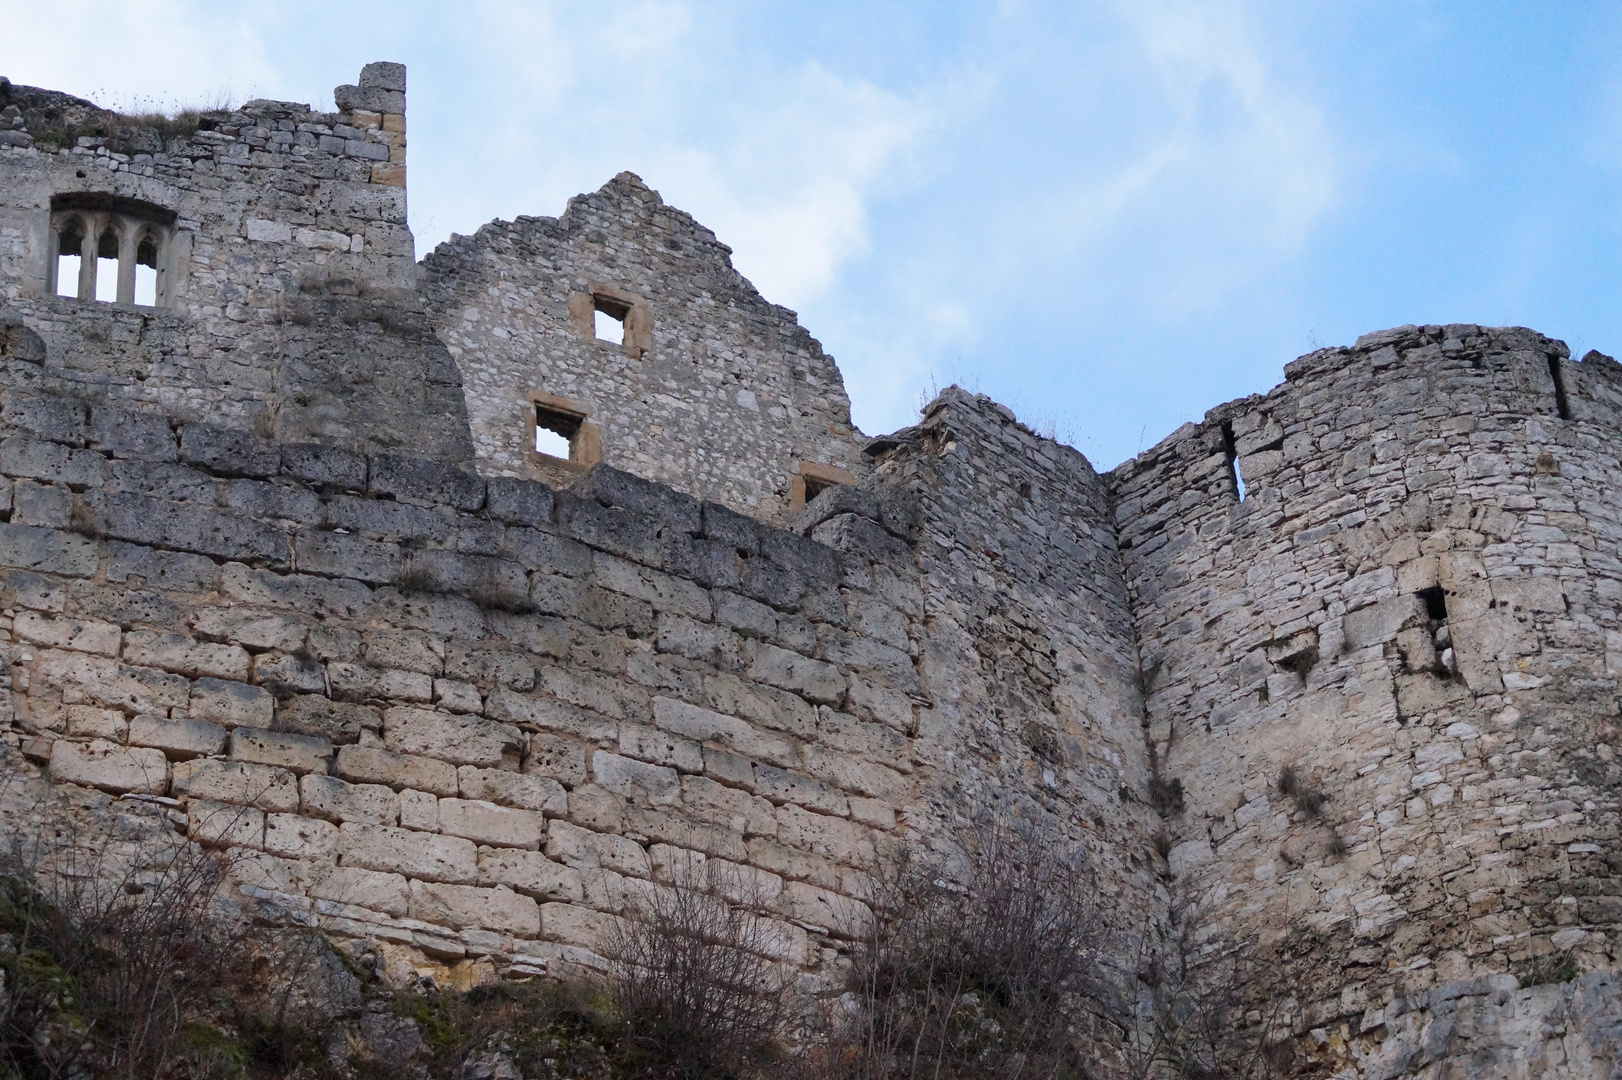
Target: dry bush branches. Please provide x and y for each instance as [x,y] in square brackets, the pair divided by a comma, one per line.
[107,956]
[695,992]
[989,975]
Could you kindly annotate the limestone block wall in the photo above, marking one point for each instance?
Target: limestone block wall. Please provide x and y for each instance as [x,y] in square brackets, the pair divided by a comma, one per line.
[1414,610]
[290,271]
[1028,655]
[459,719]
[715,391]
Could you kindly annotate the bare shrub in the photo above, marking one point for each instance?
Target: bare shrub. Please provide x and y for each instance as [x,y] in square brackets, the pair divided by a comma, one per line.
[692,985]
[1226,1016]
[107,959]
[1166,796]
[417,580]
[991,975]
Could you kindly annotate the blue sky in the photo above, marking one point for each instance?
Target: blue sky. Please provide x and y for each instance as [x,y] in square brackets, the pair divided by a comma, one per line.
[1111,216]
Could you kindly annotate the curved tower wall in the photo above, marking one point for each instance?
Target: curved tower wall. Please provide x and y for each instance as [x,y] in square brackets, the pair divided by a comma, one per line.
[1451,829]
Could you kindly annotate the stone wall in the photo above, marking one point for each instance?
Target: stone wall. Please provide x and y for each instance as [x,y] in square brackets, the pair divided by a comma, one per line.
[1414,610]
[1028,656]
[1325,686]
[293,308]
[458,718]
[714,391]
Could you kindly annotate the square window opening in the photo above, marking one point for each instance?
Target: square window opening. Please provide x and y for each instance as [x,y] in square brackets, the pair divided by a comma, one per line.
[608,320]
[1435,601]
[815,487]
[555,432]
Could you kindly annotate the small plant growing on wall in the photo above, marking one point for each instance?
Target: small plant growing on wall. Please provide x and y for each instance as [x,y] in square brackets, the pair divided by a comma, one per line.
[1309,800]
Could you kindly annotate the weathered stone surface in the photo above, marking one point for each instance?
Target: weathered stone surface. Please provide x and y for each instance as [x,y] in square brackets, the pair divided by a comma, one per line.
[370,765]
[336,721]
[527,791]
[487,823]
[585,850]
[231,704]
[419,855]
[388,893]
[294,837]
[300,753]
[638,781]
[530,873]
[332,799]
[237,782]
[458,739]
[178,739]
[462,906]
[102,764]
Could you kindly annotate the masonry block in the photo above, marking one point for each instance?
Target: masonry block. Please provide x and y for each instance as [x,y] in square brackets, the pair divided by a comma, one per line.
[526,791]
[488,823]
[335,800]
[178,739]
[237,782]
[298,753]
[425,856]
[373,765]
[104,765]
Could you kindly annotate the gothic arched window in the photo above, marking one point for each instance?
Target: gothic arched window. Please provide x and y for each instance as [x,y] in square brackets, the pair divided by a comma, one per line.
[109,248]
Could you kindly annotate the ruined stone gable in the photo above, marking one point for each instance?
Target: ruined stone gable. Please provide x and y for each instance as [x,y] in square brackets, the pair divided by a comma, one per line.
[710,388]
[464,615]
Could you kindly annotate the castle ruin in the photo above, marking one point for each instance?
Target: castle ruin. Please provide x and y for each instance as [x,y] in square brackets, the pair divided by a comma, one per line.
[480,620]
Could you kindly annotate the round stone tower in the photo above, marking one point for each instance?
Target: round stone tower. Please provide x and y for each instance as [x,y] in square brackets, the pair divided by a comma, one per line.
[1378,613]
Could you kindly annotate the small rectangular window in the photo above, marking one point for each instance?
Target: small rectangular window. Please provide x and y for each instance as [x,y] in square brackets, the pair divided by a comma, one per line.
[815,486]
[813,479]
[609,319]
[556,431]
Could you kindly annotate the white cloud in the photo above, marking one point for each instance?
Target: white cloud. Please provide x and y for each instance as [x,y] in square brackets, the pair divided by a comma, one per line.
[1144,162]
[142,54]
[780,160]
[787,185]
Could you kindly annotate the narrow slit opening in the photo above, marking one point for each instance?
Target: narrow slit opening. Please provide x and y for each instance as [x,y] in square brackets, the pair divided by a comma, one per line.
[1557,373]
[146,273]
[107,267]
[1235,481]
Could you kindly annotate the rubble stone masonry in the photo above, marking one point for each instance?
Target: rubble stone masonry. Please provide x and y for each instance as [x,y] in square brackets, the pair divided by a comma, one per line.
[1414,610]
[1325,686]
